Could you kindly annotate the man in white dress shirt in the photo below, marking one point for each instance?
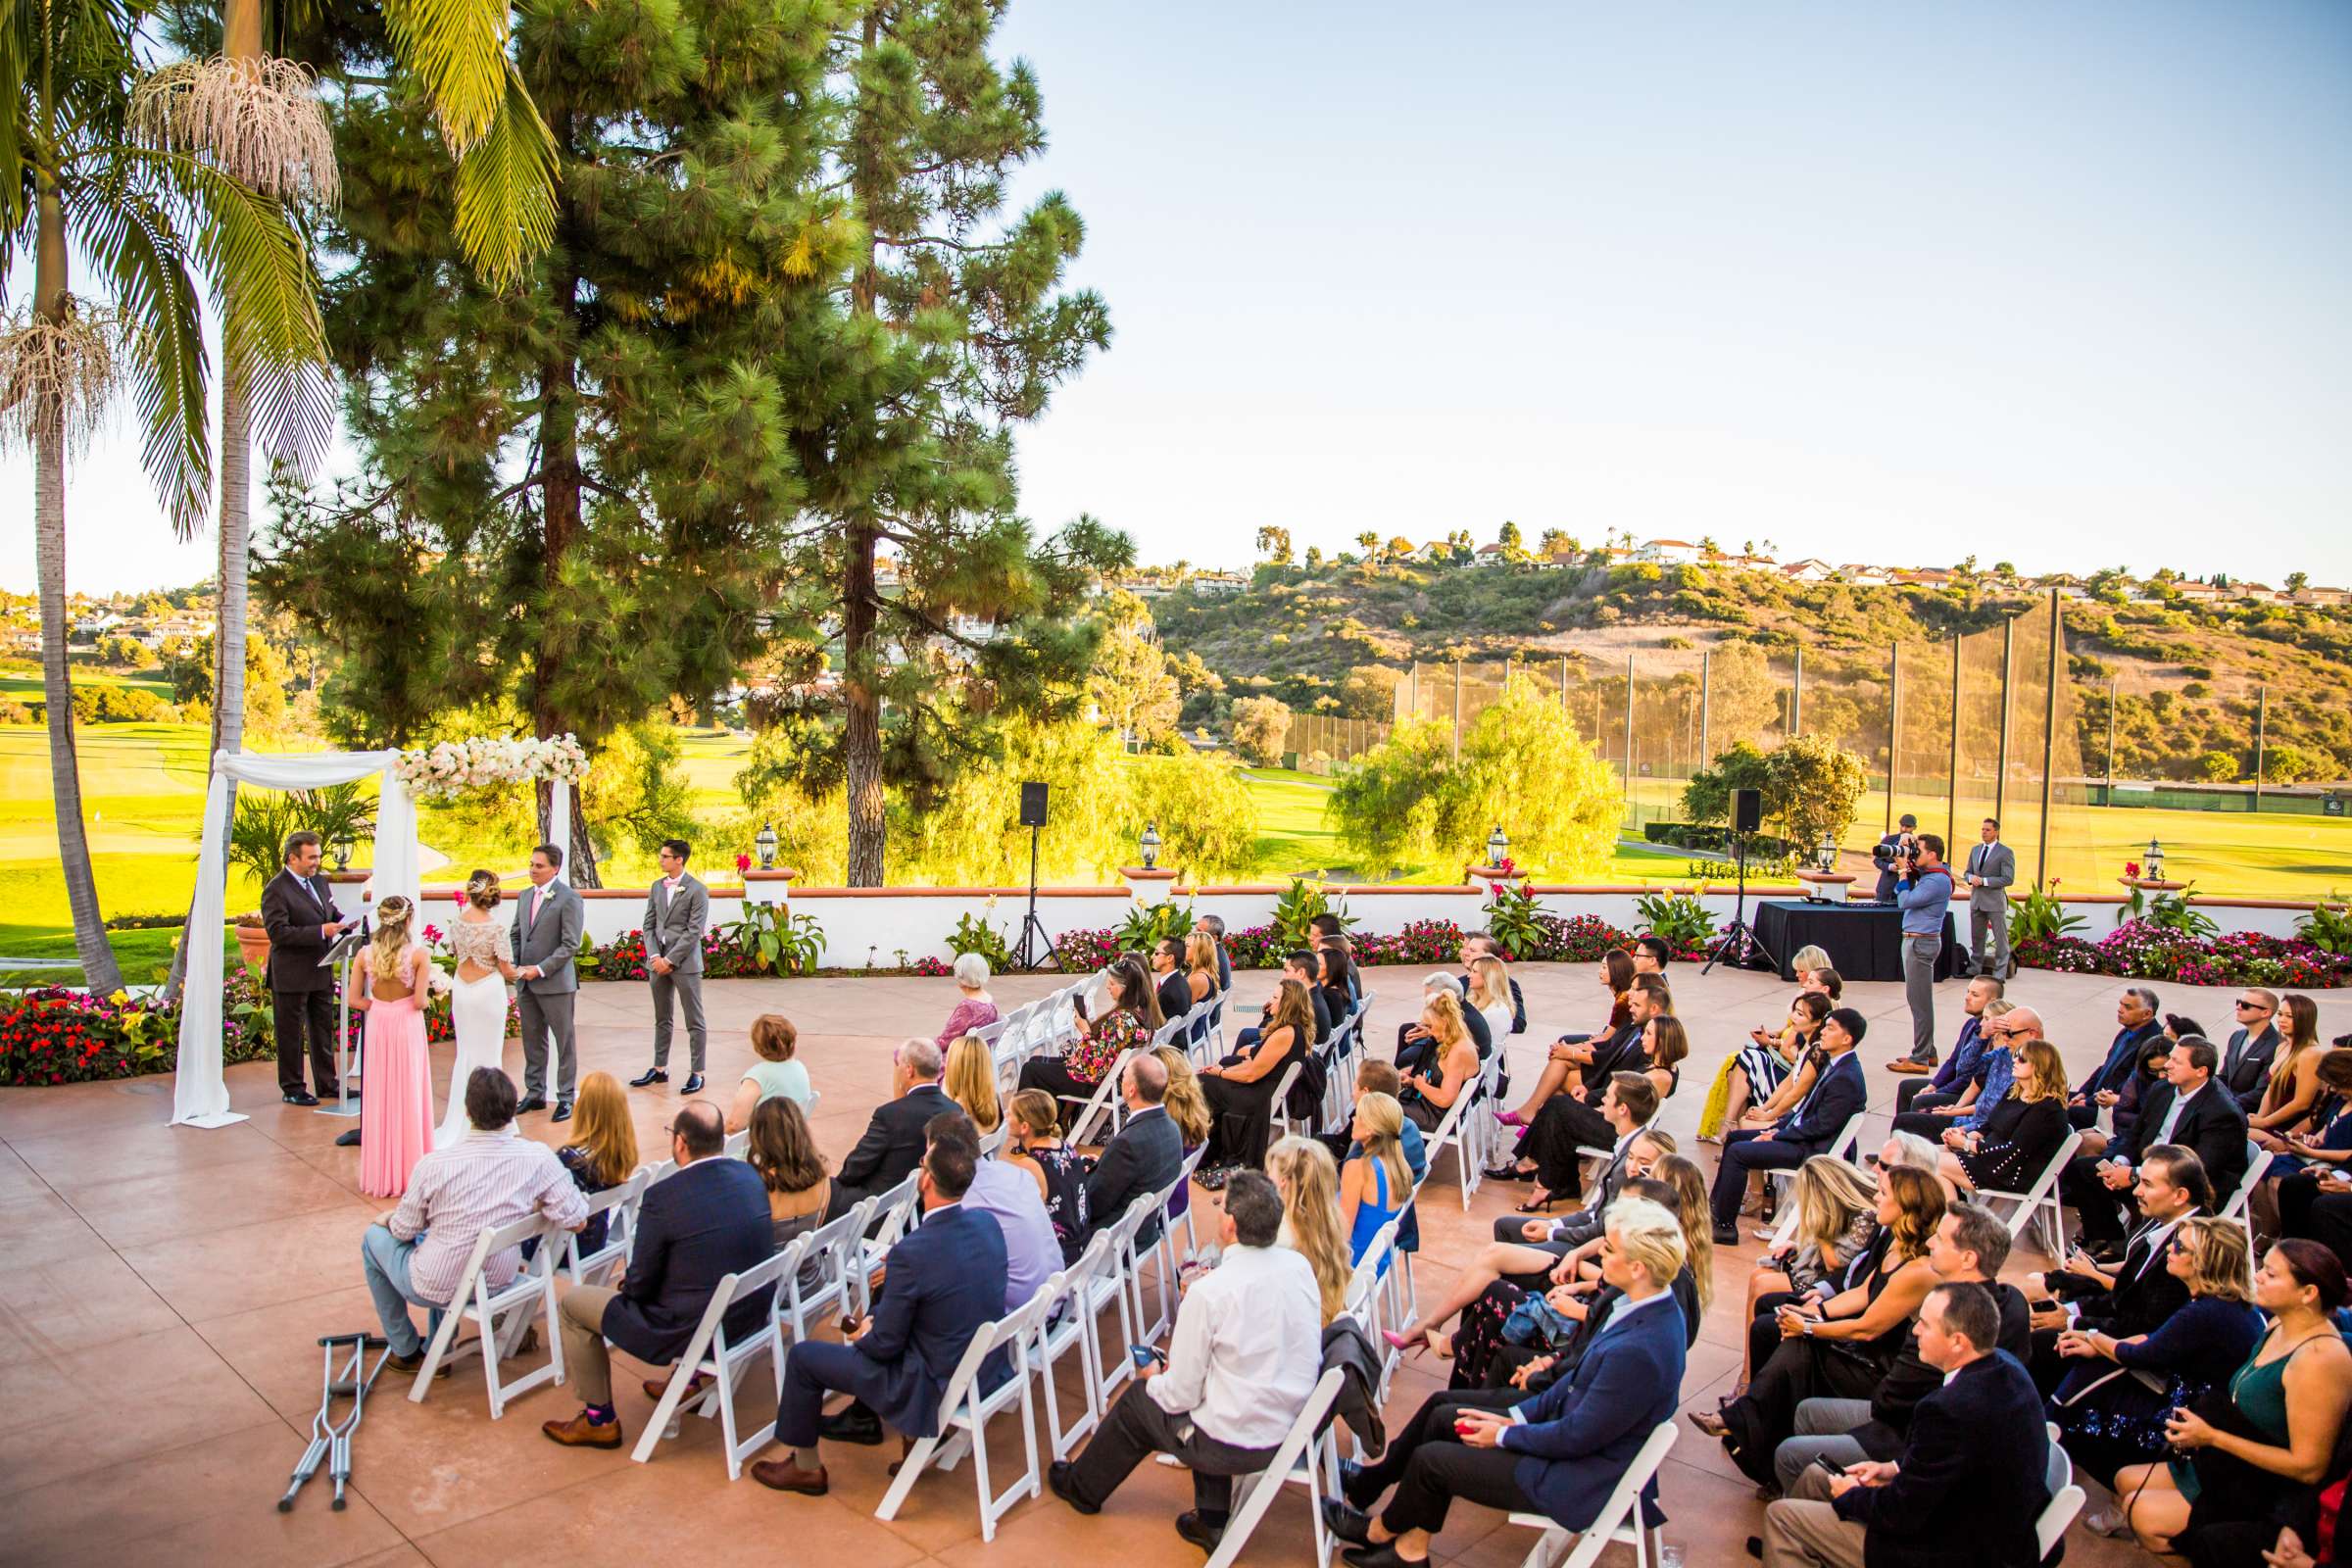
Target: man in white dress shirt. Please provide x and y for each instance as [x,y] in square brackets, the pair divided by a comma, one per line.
[1246,1353]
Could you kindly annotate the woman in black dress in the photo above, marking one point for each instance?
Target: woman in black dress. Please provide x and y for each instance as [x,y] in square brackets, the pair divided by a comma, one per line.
[1338,984]
[2019,1134]
[1240,1090]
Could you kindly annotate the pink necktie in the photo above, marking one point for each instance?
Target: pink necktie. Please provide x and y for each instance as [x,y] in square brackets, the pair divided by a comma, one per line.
[538,896]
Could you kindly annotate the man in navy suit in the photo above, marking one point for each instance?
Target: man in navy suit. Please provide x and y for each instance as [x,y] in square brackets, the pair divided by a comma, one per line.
[892,1145]
[1563,1453]
[1145,1156]
[2191,1110]
[704,1221]
[1973,1477]
[1836,1098]
[2136,1023]
[2245,1066]
[947,1283]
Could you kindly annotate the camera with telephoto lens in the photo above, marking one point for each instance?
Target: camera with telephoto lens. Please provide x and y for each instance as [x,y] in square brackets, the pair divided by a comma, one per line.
[1902,854]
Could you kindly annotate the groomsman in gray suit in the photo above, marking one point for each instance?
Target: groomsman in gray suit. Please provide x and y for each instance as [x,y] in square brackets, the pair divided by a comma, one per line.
[676,909]
[547,938]
[1992,867]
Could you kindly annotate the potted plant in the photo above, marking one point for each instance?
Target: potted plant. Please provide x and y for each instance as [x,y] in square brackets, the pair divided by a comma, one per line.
[258,834]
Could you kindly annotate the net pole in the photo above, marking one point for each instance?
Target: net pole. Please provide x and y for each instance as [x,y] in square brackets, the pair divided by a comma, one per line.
[1706,691]
[1457,710]
[1952,780]
[2113,695]
[2000,778]
[1796,697]
[2261,736]
[2050,750]
[1894,721]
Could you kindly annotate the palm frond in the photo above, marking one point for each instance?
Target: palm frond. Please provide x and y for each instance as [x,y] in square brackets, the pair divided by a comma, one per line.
[456,49]
[259,121]
[506,189]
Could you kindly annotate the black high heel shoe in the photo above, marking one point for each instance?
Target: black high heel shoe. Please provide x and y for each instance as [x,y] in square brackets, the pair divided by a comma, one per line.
[1508,1172]
[1535,1205]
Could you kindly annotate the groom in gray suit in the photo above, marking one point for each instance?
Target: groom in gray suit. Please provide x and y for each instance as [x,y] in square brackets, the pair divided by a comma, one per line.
[1992,867]
[676,909]
[547,937]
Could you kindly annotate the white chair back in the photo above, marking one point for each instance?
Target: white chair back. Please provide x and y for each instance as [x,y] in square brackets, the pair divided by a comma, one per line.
[1619,1521]
[711,1352]
[832,1251]
[1068,1322]
[737,1143]
[620,1206]
[2064,1504]
[1103,1101]
[502,1315]
[965,1409]
[1449,1134]
[1293,1459]
[2258,1165]
[2039,1200]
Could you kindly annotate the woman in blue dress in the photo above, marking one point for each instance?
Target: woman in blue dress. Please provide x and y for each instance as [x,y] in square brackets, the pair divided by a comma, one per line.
[1376,1182]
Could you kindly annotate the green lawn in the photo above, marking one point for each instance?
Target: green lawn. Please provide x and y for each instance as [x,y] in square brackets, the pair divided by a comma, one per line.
[145,955]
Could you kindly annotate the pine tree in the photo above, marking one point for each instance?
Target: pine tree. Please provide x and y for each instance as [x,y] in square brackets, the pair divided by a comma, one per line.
[956,332]
[578,491]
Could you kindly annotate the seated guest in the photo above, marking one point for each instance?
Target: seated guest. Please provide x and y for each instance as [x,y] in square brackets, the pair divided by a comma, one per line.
[1035,1146]
[704,1221]
[1240,1089]
[2243,1067]
[975,1009]
[2316,1205]
[603,1152]
[970,1080]
[1869,1324]
[1489,993]
[2136,1295]
[1616,976]
[1651,954]
[1969,1245]
[491,1177]
[1836,1098]
[782,1151]
[1335,978]
[1805,1072]
[893,1143]
[1950,1080]
[1188,1106]
[1376,1183]
[946,1284]
[773,1041]
[2157,1054]
[2137,1027]
[1836,1217]
[1568,1129]
[2021,1137]
[1206,974]
[2187,1110]
[1173,985]
[1970,1482]
[2285,1410]
[1566,1122]
[2110,1414]
[1308,1184]
[1377,1077]
[1213,926]
[1482,945]
[2293,1089]
[1302,968]
[1563,1453]
[1449,1067]
[2006,1030]
[1246,1352]
[1127,1025]
[1416,1046]
[1008,1194]
[1145,1156]
[1751,1075]
[2327,1137]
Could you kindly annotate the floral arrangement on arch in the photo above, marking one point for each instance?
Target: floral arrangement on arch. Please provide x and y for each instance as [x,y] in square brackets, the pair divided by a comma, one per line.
[453,767]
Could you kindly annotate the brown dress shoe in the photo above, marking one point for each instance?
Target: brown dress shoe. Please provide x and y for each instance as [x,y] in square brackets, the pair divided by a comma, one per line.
[1906,1064]
[581,1433]
[655,1388]
[782,1475]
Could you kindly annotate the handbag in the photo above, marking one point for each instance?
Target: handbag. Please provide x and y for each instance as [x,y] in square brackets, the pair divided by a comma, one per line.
[2231,1491]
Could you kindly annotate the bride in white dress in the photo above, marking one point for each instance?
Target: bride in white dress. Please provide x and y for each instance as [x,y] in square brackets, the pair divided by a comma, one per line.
[477,1002]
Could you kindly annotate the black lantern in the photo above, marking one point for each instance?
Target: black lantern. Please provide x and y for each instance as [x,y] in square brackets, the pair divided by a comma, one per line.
[1151,845]
[1498,847]
[766,844]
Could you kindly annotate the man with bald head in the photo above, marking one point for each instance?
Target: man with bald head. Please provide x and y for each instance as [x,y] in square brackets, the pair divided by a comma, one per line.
[2005,1037]
[1146,1156]
[893,1144]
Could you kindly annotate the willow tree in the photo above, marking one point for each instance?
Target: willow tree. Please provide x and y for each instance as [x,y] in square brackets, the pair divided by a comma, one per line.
[577,490]
[159,225]
[954,331]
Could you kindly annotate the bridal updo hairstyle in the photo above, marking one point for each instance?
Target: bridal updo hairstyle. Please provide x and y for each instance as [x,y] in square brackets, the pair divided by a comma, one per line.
[393,918]
[483,891]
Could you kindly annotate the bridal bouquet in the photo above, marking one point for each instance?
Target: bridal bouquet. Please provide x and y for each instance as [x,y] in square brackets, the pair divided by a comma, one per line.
[453,767]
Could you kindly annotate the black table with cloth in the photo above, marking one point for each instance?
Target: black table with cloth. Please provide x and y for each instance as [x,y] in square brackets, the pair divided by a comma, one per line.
[1864,941]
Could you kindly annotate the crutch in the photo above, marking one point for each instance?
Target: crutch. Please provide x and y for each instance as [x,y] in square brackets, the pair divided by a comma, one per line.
[330,1439]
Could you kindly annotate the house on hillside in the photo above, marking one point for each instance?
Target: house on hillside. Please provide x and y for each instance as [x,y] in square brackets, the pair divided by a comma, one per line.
[1751,564]
[1808,570]
[2323,596]
[1668,553]
[1489,556]
[2200,593]
[1561,559]
[1218,583]
[2255,593]
[1145,588]
[1866,576]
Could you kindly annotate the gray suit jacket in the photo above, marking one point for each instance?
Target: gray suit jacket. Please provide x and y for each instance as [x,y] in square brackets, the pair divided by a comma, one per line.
[674,927]
[552,941]
[1997,863]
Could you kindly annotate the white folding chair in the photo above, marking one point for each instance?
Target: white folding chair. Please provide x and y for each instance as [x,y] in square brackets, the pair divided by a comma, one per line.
[1847,1145]
[1295,1460]
[737,1143]
[2038,1202]
[993,1142]
[1279,1109]
[964,1413]
[889,1216]
[502,1315]
[1104,1097]
[1619,1521]
[1115,1283]
[620,1206]
[712,1351]
[1373,1299]
[832,1251]
[1450,1135]
[2258,1164]
[1168,1260]
[1073,1290]
[2056,1516]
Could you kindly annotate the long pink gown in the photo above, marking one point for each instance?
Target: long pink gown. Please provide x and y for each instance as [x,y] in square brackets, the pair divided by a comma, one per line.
[396,1111]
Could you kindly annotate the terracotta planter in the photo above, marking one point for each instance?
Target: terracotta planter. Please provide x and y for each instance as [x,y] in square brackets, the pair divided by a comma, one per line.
[254,942]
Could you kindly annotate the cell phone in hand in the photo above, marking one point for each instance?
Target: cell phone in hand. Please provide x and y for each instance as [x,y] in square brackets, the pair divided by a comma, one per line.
[1144,1355]
[1829,1464]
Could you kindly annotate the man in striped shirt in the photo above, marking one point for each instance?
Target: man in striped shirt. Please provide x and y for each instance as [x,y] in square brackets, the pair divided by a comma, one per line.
[491,1177]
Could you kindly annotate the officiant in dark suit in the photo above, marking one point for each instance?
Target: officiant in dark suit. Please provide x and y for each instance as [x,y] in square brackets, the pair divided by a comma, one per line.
[298,910]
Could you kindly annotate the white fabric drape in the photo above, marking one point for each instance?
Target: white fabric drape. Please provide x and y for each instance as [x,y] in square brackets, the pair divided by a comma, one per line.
[200,1095]
[559,815]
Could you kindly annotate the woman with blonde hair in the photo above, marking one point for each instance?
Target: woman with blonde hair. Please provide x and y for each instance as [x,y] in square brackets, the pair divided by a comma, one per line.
[1185,1106]
[1200,965]
[1033,1142]
[774,1041]
[1376,1183]
[396,1115]
[1301,1171]
[484,951]
[970,1080]
[1490,994]
[1426,1099]
[1837,1215]
[603,1152]
[2020,1135]
[1698,1219]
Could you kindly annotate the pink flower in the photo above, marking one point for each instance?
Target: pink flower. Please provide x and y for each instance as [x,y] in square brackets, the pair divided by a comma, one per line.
[2131,868]
[432,933]
[457,896]
[743,864]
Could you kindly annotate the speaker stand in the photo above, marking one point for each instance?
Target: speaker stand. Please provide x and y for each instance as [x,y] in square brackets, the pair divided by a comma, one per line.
[1033,930]
[1738,941]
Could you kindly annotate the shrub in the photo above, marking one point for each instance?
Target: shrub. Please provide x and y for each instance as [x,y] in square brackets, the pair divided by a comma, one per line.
[977,934]
[1260,725]
[1207,817]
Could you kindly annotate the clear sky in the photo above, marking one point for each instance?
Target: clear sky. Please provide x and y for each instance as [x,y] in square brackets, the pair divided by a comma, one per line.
[2060,284]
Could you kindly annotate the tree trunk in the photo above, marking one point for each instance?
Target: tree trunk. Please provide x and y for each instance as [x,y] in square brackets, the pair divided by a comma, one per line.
[98,968]
[560,522]
[862,731]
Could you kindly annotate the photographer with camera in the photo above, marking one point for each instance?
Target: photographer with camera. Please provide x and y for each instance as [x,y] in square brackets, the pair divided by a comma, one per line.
[1923,890]
[1889,854]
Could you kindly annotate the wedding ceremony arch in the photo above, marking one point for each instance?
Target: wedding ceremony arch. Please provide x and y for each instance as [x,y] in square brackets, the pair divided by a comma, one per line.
[200,1094]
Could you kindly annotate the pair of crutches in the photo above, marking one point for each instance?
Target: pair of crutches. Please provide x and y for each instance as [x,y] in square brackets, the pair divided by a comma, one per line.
[331,1438]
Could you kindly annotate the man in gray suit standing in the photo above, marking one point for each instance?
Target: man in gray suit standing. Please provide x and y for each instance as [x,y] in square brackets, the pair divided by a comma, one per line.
[1992,867]
[547,937]
[676,909]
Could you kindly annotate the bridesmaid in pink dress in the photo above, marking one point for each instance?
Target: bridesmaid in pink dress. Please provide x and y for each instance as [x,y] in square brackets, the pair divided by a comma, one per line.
[396,1113]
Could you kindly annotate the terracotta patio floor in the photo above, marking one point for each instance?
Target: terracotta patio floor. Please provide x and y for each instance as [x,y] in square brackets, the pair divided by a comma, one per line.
[163,1289]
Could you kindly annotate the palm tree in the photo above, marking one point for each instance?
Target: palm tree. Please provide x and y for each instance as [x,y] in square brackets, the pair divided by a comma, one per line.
[73,177]
[257,116]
